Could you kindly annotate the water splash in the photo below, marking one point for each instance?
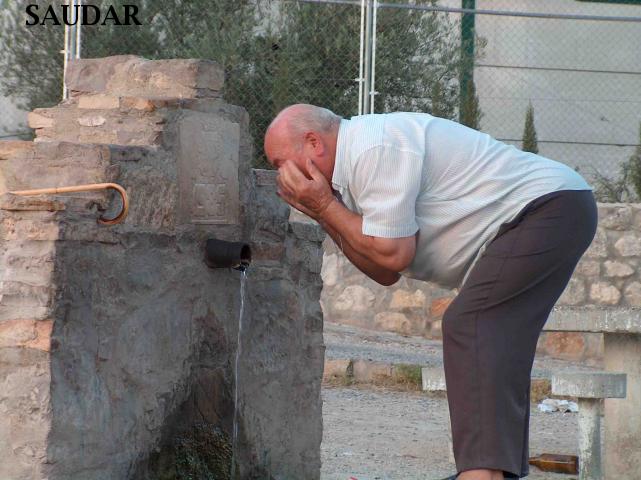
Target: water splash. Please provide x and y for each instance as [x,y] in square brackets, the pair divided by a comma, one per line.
[243,281]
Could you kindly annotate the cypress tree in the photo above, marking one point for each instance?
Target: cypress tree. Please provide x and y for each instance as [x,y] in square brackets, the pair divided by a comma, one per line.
[530,143]
[635,167]
[471,114]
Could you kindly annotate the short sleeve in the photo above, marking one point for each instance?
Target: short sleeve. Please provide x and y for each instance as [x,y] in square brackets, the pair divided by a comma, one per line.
[385,185]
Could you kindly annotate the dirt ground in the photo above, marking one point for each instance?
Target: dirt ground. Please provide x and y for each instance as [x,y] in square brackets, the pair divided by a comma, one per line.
[377,433]
[371,433]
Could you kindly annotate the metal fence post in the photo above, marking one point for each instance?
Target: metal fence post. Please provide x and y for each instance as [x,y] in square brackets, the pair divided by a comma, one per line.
[372,86]
[466,76]
[368,57]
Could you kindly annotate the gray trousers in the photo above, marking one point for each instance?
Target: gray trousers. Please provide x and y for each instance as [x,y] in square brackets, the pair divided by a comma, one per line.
[491,328]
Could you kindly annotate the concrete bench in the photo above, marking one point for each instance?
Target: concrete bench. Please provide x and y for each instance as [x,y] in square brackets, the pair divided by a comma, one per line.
[591,388]
[621,329]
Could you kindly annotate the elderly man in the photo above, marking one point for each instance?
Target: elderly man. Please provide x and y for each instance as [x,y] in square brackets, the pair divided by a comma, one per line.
[415,195]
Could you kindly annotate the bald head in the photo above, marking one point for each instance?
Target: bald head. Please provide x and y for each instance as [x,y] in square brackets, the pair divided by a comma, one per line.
[303,131]
[295,121]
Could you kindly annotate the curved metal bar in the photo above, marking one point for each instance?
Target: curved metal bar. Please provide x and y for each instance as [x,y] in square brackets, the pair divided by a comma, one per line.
[85,188]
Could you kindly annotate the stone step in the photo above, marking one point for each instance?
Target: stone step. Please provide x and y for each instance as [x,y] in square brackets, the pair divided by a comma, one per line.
[433,380]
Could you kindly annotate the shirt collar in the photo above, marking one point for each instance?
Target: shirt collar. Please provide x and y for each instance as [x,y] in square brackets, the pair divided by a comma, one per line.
[340,177]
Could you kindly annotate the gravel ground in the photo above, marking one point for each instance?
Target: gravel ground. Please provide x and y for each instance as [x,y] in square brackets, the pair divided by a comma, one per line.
[371,432]
[380,434]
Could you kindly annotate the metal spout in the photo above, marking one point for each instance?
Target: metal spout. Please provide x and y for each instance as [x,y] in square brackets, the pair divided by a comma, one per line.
[221,254]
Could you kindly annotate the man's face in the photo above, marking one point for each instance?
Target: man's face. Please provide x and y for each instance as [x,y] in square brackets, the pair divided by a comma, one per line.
[279,151]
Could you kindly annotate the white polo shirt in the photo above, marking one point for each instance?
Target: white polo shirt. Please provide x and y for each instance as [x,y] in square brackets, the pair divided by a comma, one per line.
[409,172]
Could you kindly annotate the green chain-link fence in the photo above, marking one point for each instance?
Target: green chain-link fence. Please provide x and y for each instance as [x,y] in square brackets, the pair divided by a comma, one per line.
[577,66]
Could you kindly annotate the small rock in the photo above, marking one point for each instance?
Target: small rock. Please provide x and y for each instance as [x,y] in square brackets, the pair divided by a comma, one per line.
[617,269]
[628,245]
[605,293]
[355,298]
[405,299]
[633,294]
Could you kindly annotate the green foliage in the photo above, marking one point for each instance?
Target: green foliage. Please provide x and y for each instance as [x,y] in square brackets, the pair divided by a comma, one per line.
[274,53]
[635,167]
[530,143]
[627,186]
[30,58]
[409,374]
[471,112]
[202,453]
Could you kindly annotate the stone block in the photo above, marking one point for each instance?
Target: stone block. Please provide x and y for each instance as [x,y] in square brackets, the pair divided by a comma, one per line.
[566,345]
[433,379]
[208,163]
[368,371]
[355,298]
[589,384]
[20,294]
[628,245]
[128,75]
[38,228]
[265,177]
[12,202]
[599,246]
[27,334]
[605,293]
[18,266]
[304,227]
[439,305]
[617,269]
[337,368]
[267,251]
[589,268]
[143,104]
[434,329]
[53,164]
[98,102]
[403,299]
[393,322]
[632,294]
[329,272]
[36,120]
[617,217]
[574,293]
[593,319]
[10,149]
[91,120]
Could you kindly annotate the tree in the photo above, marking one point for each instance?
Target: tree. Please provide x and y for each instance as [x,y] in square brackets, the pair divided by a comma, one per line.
[530,143]
[471,111]
[635,167]
[274,53]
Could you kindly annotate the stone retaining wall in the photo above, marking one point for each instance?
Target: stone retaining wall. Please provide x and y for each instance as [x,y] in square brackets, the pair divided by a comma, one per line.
[608,275]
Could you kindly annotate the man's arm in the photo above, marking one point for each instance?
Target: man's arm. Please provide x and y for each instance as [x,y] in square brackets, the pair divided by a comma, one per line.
[380,258]
[394,254]
[372,270]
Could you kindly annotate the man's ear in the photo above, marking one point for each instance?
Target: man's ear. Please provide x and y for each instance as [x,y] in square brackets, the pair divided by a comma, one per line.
[315,141]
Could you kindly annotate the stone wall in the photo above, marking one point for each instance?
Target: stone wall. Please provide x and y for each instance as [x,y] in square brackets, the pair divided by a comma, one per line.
[607,276]
[117,343]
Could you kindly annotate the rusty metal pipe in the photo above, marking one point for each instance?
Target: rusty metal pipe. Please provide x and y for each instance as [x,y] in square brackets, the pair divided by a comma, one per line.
[86,188]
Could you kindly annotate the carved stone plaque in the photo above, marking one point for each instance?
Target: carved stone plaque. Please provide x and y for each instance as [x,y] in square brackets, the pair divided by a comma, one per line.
[208,169]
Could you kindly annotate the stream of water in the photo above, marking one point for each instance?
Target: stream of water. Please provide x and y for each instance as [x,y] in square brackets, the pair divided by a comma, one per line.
[243,281]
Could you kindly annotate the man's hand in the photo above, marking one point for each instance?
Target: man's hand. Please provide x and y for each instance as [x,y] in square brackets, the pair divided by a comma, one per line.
[311,196]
